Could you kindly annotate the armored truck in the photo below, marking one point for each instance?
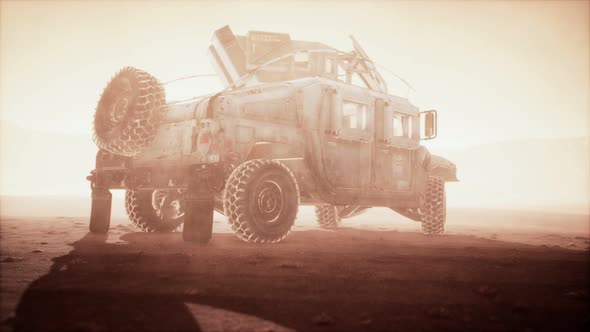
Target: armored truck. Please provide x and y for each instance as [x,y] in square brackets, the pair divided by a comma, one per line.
[297,123]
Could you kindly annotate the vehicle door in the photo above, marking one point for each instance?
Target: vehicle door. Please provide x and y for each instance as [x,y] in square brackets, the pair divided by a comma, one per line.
[347,148]
[396,138]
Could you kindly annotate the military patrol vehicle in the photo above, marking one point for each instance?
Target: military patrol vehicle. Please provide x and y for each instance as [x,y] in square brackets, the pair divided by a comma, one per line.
[297,123]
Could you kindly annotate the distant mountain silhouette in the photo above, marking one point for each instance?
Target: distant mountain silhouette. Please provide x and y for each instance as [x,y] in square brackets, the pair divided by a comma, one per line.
[538,173]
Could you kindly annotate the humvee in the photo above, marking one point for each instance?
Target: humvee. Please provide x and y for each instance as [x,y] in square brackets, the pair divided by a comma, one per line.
[297,123]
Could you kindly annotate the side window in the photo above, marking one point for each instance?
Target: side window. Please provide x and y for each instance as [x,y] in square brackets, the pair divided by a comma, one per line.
[398,128]
[301,60]
[403,126]
[354,115]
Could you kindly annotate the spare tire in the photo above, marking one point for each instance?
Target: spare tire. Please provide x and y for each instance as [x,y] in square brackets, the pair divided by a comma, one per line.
[129,112]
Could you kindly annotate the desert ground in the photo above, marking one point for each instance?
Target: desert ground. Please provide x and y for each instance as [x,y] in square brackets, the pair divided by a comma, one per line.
[494,270]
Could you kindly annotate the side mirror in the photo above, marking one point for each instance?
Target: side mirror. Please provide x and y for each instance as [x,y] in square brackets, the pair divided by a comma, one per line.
[428,119]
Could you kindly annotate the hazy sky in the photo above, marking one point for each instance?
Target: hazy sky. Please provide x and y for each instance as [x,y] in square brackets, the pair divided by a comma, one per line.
[494,70]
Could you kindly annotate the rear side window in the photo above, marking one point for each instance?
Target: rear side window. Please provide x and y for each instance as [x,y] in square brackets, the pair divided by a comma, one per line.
[354,115]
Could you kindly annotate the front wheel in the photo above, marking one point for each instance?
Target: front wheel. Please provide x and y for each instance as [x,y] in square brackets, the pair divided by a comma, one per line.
[327,216]
[261,201]
[434,209]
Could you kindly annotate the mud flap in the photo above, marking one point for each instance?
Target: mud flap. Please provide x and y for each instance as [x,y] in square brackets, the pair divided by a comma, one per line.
[100,212]
[198,219]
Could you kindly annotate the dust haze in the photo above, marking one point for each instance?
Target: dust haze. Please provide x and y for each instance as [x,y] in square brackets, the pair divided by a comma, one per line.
[510,82]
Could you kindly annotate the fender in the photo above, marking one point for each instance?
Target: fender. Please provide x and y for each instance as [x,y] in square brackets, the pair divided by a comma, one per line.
[289,154]
[273,150]
[439,166]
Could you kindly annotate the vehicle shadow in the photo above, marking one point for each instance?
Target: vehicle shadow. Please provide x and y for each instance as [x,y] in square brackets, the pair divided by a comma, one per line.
[80,295]
[345,280]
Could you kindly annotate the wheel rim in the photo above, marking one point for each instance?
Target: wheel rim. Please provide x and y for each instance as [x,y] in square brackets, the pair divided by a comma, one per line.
[269,201]
[119,109]
[118,103]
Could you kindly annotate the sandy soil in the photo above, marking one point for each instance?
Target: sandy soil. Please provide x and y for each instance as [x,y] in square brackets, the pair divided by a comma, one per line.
[494,271]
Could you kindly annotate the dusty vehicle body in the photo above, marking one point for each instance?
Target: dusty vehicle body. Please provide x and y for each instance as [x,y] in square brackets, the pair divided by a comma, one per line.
[298,123]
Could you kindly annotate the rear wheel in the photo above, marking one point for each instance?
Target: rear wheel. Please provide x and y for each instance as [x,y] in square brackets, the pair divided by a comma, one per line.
[160,211]
[261,201]
[434,210]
